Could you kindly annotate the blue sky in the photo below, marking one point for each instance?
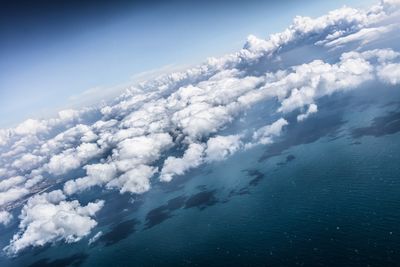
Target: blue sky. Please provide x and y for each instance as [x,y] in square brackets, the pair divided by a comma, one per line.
[60,56]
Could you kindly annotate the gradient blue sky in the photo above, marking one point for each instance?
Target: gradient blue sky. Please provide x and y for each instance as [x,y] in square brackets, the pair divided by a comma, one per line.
[64,54]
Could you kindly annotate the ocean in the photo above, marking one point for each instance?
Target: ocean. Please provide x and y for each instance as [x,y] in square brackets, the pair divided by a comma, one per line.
[326,193]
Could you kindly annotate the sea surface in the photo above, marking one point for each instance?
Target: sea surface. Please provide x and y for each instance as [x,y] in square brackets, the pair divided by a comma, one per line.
[326,193]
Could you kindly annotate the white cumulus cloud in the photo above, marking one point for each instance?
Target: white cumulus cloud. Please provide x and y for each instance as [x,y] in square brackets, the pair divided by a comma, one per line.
[5,217]
[49,218]
[192,158]
[221,147]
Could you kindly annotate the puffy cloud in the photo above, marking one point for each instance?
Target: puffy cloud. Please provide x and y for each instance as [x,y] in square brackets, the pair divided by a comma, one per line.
[220,147]
[27,162]
[62,163]
[64,140]
[265,134]
[5,135]
[200,119]
[5,217]
[33,181]
[203,109]
[151,118]
[381,55]
[11,182]
[136,180]
[89,137]
[143,149]
[192,158]
[31,126]
[68,115]
[40,128]
[48,218]
[304,29]
[390,73]
[318,78]
[97,174]
[12,195]
[72,158]
[337,24]
[132,156]
[86,151]
[311,109]
[302,85]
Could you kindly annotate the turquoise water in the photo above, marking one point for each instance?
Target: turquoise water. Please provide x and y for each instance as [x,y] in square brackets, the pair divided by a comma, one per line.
[325,194]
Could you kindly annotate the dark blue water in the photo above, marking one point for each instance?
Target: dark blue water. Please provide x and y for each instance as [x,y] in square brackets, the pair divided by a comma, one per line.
[325,194]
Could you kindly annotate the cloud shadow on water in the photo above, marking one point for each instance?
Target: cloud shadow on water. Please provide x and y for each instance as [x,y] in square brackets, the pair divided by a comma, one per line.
[119,232]
[256,177]
[202,200]
[380,126]
[118,207]
[74,260]
[306,132]
[289,158]
[162,213]
[179,181]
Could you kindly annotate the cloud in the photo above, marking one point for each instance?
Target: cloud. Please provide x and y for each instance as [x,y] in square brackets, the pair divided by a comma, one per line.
[143,149]
[221,147]
[265,134]
[192,158]
[72,158]
[49,218]
[390,73]
[217,148]
[97,174]
[27,162]
[34,132]
[11,182]
[31,126]
[5,217]
[62,163]
[136,180]
[95,237]
[200,119]
[64,140]
[12,195]
[33,181]
[336,24]
[5,135]
[390,5]
[317,78]
[312,108]
[364,36]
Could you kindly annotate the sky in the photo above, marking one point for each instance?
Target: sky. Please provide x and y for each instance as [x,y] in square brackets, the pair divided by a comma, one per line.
[63,54]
